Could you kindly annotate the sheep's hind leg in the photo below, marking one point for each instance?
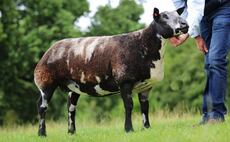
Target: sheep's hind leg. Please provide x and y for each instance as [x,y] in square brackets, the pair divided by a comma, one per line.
[71,106]
[42,105]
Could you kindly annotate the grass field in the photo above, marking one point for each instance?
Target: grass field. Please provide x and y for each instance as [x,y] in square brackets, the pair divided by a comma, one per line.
[171,128]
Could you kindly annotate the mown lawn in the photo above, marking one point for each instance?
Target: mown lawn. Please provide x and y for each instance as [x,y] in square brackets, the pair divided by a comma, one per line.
[163,129]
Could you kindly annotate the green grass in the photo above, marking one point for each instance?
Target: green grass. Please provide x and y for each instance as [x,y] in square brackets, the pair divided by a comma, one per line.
[171,128]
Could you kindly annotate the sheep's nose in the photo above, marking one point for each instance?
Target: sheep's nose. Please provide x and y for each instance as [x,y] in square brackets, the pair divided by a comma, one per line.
[183,23]
[177,31]
[183,29]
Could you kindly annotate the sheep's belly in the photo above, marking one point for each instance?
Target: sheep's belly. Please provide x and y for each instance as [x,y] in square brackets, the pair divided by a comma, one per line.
[95,90]
[157,74]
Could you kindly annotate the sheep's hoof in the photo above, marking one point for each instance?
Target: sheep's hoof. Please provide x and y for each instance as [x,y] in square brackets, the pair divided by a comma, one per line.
[146,126]
[71,131]
[129,130]
[42,133]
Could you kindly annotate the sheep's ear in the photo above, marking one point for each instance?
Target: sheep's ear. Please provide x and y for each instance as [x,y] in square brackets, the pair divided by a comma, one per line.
[180,10]
[156,14]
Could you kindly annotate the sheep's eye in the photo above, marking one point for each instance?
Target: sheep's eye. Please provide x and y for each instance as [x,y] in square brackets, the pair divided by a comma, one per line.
[165,16]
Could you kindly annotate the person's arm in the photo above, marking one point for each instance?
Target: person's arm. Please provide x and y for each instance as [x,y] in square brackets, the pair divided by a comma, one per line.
[201,44]
[195,10]
[179,4]
[195,13]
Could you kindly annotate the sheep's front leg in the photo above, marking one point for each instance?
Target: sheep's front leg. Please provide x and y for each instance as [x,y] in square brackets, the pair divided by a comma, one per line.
[144,103]
[126,94]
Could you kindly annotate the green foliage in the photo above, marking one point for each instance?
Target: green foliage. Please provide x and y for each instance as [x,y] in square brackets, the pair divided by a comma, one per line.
[124,18]
[27,29]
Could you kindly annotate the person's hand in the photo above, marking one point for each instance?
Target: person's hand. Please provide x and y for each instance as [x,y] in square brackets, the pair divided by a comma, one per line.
[178,40]
[201,44]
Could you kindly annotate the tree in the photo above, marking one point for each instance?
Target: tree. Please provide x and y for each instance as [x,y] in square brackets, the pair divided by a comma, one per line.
[122,19]
[27,29]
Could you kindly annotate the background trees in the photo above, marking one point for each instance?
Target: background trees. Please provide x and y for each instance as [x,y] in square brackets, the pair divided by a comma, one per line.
[29,27]
[124,18]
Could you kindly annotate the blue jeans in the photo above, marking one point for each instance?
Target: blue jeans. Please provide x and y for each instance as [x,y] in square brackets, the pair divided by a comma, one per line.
[215,29]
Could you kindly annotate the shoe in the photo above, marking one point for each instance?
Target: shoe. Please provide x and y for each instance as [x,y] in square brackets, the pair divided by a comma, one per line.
[215,121]
[211,121]
[203,121]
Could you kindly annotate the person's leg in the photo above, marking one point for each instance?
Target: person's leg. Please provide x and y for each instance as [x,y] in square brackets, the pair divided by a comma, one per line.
[217,67]
[206,34]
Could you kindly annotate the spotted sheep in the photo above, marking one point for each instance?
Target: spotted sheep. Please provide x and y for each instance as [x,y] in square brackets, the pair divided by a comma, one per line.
[104,65]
